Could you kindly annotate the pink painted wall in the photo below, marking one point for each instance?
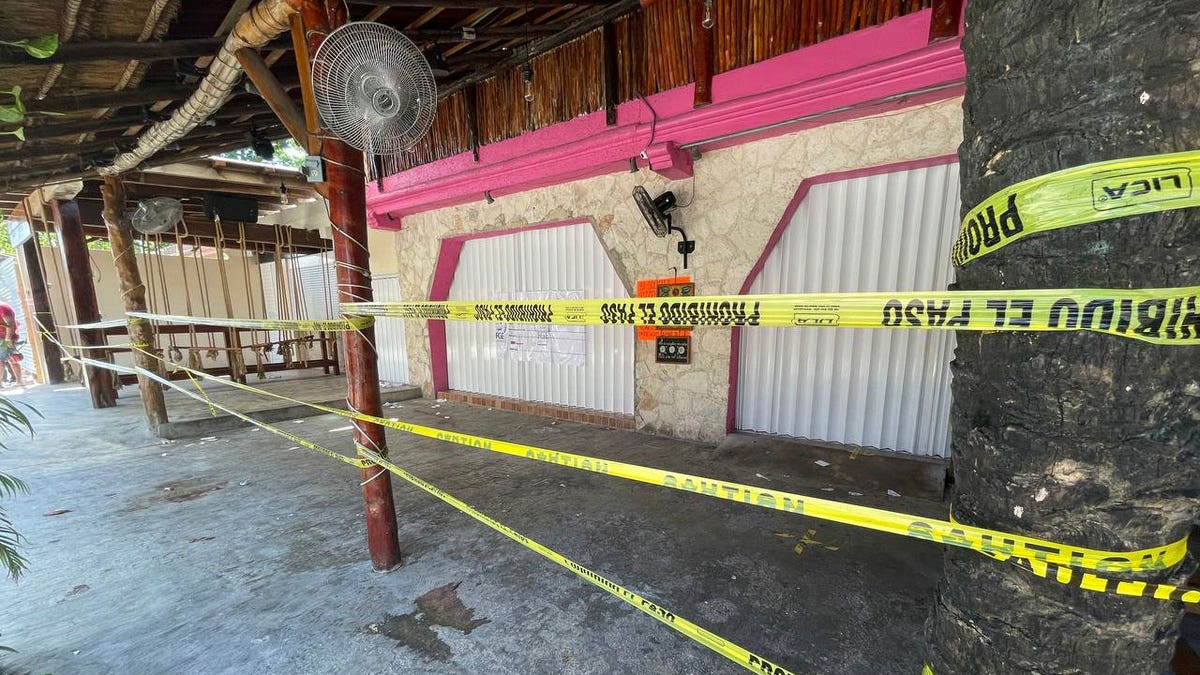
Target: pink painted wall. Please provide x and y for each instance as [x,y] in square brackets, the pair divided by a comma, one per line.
[872,70]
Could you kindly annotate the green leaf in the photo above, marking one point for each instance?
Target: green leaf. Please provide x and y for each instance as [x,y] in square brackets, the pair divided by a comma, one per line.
[19,132]
[14,112]
[11,485]
[42,47]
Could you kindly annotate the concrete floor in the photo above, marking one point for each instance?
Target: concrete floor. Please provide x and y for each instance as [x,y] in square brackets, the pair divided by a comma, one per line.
[192,417]
[237,555]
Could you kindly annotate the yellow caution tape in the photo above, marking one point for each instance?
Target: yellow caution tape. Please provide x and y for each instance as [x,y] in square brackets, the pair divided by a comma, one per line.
[331,325]
[99,325]
[65,345]
[732,651]
[1159,315]
[950,533]
[1084,194]
[1097,584]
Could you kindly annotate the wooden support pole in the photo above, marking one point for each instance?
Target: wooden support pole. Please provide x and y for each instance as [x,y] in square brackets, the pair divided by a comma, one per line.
[470,97]
[45,330]
[346,183]
[274,94]
[77,265]
[312,120]
[702,49]
[141,332]
[608,35]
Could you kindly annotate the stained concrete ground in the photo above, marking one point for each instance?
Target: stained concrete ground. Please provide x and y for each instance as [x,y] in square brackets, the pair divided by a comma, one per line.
[239,555]
[193,417]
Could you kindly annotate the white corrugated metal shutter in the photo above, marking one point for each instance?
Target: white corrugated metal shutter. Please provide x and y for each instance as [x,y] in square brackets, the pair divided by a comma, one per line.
[318,282]
[389,335]
[525,264]
[877,388]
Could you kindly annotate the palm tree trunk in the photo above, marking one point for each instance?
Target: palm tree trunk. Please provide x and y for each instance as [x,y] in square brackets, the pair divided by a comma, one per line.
[1075,437]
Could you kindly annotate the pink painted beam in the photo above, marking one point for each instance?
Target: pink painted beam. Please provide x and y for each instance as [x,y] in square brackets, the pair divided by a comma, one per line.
[848,74]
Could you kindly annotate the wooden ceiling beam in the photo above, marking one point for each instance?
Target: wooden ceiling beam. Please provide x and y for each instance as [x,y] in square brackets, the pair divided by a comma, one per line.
[477,45]
[123,50]
[303,241]
[88,100]
[96,100]
[193,206]
[274,94]
[41,132]
[60,171]
[269,187]
[467,34]
[576,29]
[33,152]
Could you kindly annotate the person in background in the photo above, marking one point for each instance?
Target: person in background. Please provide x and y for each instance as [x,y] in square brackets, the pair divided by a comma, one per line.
[8,341]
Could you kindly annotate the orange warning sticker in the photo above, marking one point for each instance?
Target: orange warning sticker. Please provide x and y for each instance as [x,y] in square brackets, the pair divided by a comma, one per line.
[669,287]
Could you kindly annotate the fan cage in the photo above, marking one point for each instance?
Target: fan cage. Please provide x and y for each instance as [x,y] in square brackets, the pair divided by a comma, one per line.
[156,215]
[654,218]
[374,88]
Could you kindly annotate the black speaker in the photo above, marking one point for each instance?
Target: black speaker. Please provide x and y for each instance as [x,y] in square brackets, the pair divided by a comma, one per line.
[231,208]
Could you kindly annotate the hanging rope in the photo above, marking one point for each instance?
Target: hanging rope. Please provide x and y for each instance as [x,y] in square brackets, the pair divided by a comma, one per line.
[249,294]
[220,246]
[166,288]
[285,310]
[233,354]
[176,355]
[202,274]
[301,343]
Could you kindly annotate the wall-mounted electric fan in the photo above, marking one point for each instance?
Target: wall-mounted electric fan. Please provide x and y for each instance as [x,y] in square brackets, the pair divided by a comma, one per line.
[156,215]
[373,88]
[657,213]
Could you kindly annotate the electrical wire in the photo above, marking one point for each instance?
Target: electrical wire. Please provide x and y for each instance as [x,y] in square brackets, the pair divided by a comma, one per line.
[653,122]
[691,195]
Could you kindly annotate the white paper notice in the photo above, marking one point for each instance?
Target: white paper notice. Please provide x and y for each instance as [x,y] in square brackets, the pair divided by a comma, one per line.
[561,345]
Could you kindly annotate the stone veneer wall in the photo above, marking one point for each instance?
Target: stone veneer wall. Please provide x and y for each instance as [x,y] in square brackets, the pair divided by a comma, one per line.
[740,195]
